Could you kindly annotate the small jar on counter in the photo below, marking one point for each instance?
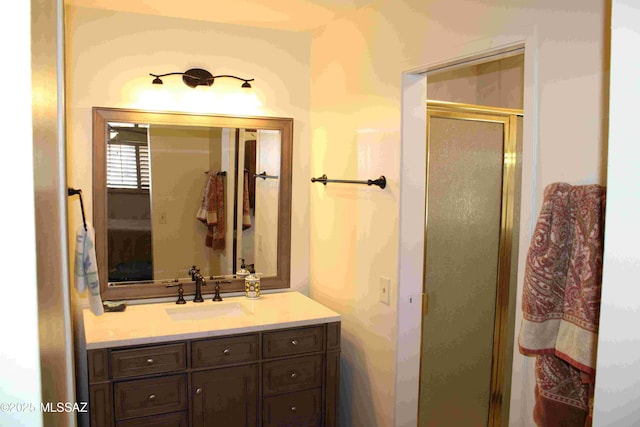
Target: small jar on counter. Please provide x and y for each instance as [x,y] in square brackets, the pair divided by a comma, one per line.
[252,286]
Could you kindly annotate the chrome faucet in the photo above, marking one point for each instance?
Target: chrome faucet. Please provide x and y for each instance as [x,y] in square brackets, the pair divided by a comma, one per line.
[200,282]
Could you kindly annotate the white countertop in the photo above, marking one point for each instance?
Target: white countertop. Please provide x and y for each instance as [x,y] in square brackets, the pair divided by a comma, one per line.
[153,323]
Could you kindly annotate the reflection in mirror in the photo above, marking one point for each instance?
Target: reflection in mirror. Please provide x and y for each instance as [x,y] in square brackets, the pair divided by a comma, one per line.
[202,186]
[178,193]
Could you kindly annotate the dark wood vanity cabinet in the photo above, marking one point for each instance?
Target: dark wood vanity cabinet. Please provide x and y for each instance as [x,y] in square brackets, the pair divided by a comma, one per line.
[284,377]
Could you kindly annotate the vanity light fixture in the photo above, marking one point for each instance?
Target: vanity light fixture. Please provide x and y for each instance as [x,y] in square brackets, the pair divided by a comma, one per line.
[198,77]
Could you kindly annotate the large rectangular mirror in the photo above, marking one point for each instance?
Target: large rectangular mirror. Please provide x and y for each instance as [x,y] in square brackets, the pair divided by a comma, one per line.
[172,190]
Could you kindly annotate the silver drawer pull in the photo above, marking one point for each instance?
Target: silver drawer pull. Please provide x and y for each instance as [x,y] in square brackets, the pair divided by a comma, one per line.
[198,391]
[149,361]
[294,342]
[294,409]
[152,397]
[293,375]
[226,352]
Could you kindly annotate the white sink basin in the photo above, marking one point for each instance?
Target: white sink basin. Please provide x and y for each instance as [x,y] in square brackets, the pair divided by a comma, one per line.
[207,310]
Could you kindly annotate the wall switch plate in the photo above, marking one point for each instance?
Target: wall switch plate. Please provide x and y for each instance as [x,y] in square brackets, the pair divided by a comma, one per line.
[385,290]
[163,218]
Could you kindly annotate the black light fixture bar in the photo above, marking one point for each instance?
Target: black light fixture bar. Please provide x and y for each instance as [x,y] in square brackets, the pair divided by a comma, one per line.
[199,77]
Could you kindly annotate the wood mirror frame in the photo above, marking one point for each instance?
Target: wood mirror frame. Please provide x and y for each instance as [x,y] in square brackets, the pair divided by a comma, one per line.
[101,116]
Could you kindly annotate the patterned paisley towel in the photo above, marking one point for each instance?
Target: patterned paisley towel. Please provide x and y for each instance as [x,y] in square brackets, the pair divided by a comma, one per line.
[212,211]
[562,399]
[578,335]
[561,300]
[546,273]
[216,236]
[246,215]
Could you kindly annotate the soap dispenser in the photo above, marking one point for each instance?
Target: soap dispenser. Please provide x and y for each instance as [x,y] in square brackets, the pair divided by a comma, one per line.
[252,286]
[243,269]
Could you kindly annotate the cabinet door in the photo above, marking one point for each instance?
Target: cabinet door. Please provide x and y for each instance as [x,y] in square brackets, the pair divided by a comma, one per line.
[225,397]
[100,405]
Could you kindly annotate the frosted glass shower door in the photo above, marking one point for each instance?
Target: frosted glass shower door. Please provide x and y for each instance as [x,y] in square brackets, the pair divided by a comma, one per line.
[466,227]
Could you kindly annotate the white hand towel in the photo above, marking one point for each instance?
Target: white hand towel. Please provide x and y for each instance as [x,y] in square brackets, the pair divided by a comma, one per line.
[86,268]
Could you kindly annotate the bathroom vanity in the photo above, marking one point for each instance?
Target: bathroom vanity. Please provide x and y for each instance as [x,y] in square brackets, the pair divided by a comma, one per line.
[267,362]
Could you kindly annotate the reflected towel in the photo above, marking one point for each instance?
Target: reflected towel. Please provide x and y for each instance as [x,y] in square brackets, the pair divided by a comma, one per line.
[86,268]
[246,215]
[212,211]
[207,212]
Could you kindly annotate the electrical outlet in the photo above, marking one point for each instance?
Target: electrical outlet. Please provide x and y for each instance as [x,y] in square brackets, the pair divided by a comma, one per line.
[385,290]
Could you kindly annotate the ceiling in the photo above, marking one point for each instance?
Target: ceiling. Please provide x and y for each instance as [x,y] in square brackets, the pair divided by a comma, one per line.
[290,15]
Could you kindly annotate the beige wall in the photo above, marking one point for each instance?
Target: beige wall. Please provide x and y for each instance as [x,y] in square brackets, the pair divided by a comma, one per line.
[357,133]
[109,58]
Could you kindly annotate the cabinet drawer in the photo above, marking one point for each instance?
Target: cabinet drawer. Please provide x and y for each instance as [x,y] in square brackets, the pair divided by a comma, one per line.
[148,360]
[302,408]
[223,351]
[138,398]
[292,374]
[177,419]
[294,341]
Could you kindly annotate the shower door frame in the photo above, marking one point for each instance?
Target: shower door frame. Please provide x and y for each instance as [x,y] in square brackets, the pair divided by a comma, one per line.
[508,117]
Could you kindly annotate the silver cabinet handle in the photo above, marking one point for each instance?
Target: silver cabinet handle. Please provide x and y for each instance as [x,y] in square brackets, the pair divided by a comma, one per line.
[149,361]
[152,397]
[294,342]
[294,409]
[198,390]
[226,352]
[293,375]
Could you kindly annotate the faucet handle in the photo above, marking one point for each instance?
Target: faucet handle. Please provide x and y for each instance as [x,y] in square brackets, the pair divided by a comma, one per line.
[180,295]
[216,296]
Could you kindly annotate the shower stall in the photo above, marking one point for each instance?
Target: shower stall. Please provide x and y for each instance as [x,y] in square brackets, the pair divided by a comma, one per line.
[469,278]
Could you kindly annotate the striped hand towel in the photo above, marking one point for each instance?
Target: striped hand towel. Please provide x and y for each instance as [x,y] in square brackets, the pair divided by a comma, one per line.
[86,268]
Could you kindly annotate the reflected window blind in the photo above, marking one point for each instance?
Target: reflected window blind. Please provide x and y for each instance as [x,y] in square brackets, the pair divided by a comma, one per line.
[128,165]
